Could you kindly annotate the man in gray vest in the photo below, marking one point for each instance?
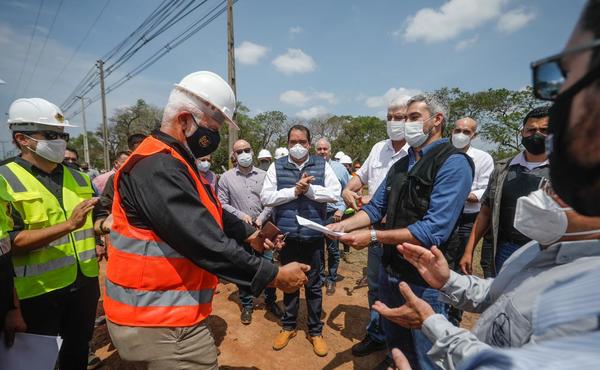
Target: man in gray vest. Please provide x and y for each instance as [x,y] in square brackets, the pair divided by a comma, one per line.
[301,185]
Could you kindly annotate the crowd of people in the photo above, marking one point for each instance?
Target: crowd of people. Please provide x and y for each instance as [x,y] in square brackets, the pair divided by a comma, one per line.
[171,229]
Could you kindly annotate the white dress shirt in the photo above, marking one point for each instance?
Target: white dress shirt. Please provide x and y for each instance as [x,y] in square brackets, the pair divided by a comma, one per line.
[380,160]
[271,197]
[520,160]
[484,165]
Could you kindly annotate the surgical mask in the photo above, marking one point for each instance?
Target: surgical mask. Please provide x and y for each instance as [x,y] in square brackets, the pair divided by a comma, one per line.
[203,141]
[460,140]
[415,137]
[395,130]
[52,150]
[245,159]
[203,166]
[540,218]
[298,151]
[535,144]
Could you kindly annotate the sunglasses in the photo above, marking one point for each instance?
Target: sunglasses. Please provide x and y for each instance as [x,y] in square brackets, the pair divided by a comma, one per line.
[240,151]
[52,135]
[549,75]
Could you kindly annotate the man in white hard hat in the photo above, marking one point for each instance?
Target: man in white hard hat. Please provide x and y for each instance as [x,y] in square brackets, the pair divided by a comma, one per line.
[338,156]
[171,240]
[281,152]
[347,162]
[264,159]
[54,249]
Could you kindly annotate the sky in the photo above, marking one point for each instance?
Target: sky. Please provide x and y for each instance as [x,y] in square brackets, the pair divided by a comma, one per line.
[307,58]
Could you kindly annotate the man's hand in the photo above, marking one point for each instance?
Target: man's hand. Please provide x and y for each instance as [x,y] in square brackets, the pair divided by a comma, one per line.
[410,315]
[101,252]
[357,239]
[430,263]
[291,277]
[351,198]
[466,264]
[303,185]
[472,198]
[400,361]
[337,216]
[247,219]
[80,213]
[12,324]
[258,223]
[276,244]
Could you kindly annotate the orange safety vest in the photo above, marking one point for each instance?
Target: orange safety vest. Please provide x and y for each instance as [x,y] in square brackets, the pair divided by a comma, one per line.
[148,283]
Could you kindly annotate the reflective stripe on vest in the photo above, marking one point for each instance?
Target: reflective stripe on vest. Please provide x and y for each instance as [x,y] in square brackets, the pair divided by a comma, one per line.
[150,248]
[146,298]
[33,270]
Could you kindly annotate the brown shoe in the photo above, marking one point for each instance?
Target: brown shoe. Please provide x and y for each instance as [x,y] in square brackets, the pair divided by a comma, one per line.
[283,338]
[319,345]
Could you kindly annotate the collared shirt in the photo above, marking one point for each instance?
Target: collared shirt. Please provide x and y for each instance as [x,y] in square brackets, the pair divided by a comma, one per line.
[451,188]
[484,165]
[520,160]
[343,177]
[272,197]
[507,302]
[378,163]
[239,193]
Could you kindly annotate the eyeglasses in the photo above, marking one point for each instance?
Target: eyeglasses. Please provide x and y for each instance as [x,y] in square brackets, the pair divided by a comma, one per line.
[549,75]
[53,135]
[240,151]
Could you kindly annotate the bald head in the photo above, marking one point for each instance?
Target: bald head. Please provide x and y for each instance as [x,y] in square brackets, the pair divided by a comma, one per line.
[241,145]
[467,126]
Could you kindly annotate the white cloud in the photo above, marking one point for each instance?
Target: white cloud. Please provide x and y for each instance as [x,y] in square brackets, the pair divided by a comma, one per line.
[451,19]
[313,112]
[388,96]
[301,98]
[294,61]
[250,53]
[467,43]
[295,30]
[515,20]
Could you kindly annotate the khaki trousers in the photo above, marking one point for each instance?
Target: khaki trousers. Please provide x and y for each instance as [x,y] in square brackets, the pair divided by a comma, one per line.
[190,347]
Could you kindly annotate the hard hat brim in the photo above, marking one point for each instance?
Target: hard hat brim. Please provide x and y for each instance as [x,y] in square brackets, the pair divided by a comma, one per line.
[196,96]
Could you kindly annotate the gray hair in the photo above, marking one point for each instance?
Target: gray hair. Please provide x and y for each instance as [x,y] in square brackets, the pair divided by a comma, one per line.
[434,105]
[400,102]
[325,140]
[179,101]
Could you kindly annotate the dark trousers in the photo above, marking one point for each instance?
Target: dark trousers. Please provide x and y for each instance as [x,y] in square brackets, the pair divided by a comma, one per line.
[333,255]
[69,312]
[246,298]
[307,252]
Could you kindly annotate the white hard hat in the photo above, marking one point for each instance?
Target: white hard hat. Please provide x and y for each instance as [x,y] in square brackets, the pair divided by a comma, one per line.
[345,159]
[210,88]
[281,152]
[34,114]
[264,153]
[339,155]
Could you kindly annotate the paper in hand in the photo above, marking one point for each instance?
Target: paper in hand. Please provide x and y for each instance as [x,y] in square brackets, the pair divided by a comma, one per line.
[315,226]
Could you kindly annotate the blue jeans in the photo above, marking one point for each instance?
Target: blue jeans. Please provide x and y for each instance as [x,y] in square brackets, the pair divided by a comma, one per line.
[333,255]
[375,329]
[505,250]
[412,342]
[246,298]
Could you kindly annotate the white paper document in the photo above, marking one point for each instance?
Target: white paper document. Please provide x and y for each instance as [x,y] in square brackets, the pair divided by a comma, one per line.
[315,226]
[30,351]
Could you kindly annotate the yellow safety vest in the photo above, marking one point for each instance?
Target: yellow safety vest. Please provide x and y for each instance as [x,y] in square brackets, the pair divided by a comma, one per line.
[6,223]
[54,266]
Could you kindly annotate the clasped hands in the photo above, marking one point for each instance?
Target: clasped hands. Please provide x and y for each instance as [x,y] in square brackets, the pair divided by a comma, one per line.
[303,184]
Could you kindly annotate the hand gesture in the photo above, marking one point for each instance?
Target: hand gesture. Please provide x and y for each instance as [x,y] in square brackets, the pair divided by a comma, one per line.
[357,239]
[351,198]
[80,213]
[430,263]
[303,185]
[291,277]
[410,315]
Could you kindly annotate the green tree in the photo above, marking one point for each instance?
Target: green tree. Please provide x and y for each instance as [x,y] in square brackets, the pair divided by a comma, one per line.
[94,146]
[358,135]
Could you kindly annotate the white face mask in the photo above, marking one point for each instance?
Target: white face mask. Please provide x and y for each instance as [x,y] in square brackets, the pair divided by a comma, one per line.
[52,150]
[395,130]
[413,131]
[298,151]
[460,140]
[203,166]
[245,159]
[540,218]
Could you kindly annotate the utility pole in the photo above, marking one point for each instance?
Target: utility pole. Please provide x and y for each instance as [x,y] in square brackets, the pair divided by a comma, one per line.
[86,149]
[104,124]
[233,133]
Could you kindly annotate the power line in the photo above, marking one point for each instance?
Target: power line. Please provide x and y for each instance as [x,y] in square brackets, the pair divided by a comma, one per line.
[37,62]
[37,18]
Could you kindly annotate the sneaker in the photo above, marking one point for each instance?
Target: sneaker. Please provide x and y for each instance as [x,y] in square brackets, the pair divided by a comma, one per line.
[319,345]
[330,287]
[283,338]
[274,309]
[246,316]
[366,347]
[94,361]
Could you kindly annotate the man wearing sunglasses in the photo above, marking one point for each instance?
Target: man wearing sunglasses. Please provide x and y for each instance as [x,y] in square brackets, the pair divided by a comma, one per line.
[54,249]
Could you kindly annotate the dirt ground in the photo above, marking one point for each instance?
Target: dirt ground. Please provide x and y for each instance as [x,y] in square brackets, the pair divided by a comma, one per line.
[345,316]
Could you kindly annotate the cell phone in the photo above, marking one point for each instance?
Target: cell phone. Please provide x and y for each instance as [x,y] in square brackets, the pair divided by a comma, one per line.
[270,231]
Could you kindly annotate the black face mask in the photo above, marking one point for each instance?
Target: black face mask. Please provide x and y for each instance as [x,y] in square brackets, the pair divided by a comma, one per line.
[203,141]
[535,144]
[576,184]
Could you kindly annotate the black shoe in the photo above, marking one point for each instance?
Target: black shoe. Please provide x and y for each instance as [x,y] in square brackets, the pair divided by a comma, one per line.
[330,287]
[386,364]
[366,347]
[274,309]
[94,361]
[246,316]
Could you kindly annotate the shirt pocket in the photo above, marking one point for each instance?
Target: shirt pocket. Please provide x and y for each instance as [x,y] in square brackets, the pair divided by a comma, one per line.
[30,206]
[506,325]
